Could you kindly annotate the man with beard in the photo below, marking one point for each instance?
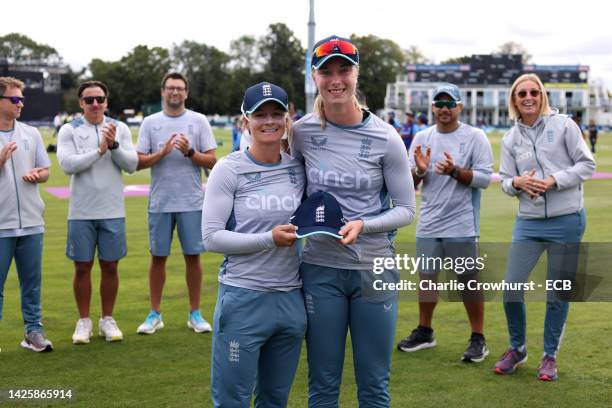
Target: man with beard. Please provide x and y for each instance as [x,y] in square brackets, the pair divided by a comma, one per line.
[176,143]
[454,161]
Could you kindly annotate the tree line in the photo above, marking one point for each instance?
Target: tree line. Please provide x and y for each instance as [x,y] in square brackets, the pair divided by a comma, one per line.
[217,78]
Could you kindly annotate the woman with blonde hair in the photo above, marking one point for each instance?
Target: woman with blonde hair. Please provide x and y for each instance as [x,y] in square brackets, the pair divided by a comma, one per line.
[260,319]
[361,160]
[544,161]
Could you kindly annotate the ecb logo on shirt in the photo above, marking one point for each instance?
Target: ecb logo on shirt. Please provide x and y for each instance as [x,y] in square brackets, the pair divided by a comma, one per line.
[292,176]
[26,144]
[549,136]
[461,148]
[366,146]
[318,142]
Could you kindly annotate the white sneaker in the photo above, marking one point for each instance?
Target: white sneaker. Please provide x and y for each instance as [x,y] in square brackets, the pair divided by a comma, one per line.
[152,322]
[197,322]
[83,331]
[109,330]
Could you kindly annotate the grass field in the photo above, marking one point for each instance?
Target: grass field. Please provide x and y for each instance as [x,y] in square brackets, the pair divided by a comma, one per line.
[172,367]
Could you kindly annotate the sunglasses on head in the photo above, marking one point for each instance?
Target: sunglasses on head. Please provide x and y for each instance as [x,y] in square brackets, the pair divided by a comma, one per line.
[447,104]
[14,99]
[90,99]
[335,47]
[533,92]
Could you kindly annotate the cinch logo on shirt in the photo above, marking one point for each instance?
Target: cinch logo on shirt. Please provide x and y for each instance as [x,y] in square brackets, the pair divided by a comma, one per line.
[524,156]
[356,180]
[272,202]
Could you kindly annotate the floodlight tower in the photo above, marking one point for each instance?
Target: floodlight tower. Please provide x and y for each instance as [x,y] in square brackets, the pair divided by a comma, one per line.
[309,87]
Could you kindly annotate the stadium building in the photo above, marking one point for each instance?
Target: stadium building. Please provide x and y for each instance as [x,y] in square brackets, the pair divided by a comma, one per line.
[42,89]
[485,83]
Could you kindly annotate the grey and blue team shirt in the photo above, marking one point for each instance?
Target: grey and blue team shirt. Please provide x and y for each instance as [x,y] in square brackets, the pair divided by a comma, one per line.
[176,182]
[448,208]
[365,167]
[96,182]
[244,201]
[21,207]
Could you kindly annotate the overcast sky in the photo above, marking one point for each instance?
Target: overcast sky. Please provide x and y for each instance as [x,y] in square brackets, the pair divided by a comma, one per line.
[560,32]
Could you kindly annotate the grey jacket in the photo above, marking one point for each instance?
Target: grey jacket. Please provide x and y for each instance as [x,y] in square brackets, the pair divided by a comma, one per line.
[20,202]
[553,146]
[96,184]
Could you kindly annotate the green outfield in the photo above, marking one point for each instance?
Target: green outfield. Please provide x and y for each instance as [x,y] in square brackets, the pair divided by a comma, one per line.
[172,367]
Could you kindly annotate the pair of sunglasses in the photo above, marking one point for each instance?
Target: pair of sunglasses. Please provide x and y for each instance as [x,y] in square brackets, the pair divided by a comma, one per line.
[335,47]
[534,93]
[14,99]
[445,104]
[90,99]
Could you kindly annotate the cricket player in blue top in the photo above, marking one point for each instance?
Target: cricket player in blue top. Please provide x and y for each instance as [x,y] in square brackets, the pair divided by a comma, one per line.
[260,319]
[362,161]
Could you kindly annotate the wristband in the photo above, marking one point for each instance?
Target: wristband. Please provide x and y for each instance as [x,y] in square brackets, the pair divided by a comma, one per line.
[455,173]
[190,152]
[114,146]
[418,173]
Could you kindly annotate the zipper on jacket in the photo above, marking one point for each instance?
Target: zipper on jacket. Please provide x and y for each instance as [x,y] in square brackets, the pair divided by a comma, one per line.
[535,152]
[16,192]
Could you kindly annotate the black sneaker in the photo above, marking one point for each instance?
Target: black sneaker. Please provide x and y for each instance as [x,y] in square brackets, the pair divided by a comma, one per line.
[420,338]
[477,350]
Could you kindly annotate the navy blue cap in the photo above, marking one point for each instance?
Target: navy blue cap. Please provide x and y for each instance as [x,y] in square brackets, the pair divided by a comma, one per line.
[263,92]
[334,46]
[450,89]
[318,214]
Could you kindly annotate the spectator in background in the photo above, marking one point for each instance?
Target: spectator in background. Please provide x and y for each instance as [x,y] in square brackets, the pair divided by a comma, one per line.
[236,134]
[592,132]
[408,130]
[393,121]
[421,122]
[57,123]
[293,114]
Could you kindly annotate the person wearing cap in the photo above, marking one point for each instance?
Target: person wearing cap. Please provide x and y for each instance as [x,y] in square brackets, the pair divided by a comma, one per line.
[176,144]
[544,162]
[24,164]
[94,150]
[260,318]
[454,162]
[361,160]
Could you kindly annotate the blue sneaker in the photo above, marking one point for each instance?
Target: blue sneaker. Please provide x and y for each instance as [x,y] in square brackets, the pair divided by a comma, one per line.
[197,322]
[152,323]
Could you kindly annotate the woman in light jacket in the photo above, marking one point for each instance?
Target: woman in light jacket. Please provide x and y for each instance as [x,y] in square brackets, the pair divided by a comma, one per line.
[544,161]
